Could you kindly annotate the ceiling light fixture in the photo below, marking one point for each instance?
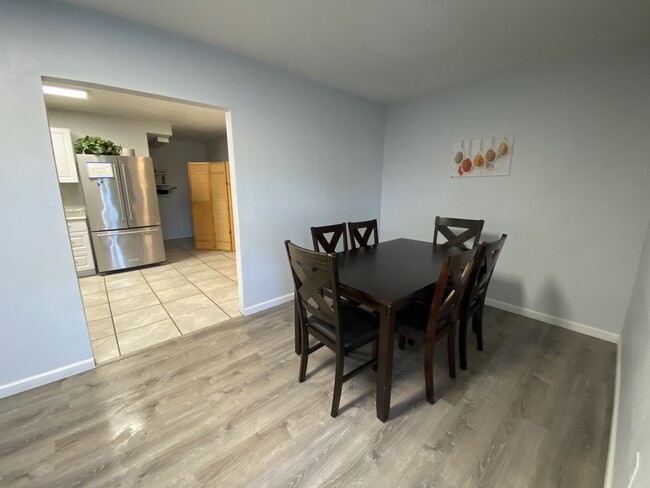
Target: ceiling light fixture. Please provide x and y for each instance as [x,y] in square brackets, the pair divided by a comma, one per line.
[64,92]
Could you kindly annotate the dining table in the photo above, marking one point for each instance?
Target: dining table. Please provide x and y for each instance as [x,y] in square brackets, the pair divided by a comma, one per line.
[387,277]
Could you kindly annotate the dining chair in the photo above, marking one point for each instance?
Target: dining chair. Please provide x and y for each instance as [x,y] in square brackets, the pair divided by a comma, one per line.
[341,326]
[430,323]
[359,239]
[471,229]
[474,298]
[319,236]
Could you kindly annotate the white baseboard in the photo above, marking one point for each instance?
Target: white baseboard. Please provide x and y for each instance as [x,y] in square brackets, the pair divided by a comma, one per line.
[611,451]
[268,304]
[47,377]
[560,322]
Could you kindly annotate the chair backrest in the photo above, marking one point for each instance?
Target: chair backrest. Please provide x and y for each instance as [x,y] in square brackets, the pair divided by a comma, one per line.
[314,275]
[455,274]
[486,261]
[321,241]
[471,229]
[360,233]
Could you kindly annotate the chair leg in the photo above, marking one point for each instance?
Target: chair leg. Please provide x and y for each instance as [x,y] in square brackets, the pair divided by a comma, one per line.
[304,355]
[402,342]
[477,323]
[297,326]
[375,353]
[428,370]
[462,342]
[451,350]
[338,384]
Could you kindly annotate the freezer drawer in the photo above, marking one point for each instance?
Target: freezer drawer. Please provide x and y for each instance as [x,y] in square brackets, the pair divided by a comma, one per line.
[120,249]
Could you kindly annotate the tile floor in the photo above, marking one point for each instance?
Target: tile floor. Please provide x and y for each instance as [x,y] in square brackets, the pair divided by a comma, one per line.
[132,310]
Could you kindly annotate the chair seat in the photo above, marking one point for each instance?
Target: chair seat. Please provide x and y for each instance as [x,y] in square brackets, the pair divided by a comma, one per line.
[359,326]
[415,318]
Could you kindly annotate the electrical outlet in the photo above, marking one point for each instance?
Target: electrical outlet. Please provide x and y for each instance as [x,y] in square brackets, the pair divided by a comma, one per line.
[636,468]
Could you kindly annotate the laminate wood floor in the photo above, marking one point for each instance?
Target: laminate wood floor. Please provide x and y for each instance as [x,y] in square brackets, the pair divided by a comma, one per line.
[224,408]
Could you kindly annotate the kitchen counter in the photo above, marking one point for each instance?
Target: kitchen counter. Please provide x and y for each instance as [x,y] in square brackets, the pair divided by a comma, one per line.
[75,213]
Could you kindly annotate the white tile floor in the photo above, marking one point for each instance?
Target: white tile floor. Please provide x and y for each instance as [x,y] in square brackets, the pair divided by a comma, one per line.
[132,310]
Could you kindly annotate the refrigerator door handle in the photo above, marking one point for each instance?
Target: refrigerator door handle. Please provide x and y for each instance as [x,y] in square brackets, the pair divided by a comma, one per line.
[126,191]
[119,196]
[126,232]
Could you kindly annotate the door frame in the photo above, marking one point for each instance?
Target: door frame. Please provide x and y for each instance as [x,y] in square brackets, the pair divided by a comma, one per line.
[232,162]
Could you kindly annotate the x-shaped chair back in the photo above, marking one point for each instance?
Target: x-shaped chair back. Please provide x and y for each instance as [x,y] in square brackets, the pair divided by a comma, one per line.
[361,232]
[469,229]
[319,236]
[455,273]
[486,261]
[315,275]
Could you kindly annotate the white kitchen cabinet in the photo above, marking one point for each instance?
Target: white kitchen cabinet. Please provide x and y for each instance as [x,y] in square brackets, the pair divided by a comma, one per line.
[81,249]
[66,165]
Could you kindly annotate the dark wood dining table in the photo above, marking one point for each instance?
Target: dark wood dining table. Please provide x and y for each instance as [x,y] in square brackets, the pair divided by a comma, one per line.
[387,277]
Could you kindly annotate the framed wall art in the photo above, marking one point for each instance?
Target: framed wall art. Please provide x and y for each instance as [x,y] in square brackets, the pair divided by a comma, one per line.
[487,156]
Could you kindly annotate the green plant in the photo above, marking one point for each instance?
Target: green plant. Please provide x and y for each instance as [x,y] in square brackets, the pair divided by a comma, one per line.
[96,145]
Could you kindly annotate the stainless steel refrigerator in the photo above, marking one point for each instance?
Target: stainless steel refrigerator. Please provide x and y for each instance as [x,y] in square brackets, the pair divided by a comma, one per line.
[122,210]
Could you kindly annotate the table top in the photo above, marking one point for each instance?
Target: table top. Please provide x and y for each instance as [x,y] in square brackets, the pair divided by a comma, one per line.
[392,272]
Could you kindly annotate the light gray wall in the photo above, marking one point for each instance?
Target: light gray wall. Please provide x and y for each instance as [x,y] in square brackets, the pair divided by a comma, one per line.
[175,208]
[304,154]
[578,188]
[217,149]
[633,419]
[125,132]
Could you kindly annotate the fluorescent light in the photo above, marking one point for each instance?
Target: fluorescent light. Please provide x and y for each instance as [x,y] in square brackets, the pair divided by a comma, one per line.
[64,92]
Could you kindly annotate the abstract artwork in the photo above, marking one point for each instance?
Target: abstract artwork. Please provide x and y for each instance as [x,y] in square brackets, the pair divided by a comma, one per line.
[487,156]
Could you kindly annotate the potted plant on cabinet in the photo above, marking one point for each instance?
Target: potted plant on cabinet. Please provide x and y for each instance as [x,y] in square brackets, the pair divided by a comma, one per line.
[97,146]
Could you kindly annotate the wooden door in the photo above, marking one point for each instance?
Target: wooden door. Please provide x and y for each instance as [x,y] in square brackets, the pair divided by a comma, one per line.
[201,201]
[221,206]
[232,222]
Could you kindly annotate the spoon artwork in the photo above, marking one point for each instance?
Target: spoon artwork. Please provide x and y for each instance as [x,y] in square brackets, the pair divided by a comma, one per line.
[478,159]
[458,157]
[466,165]
[491,154]
[503,147]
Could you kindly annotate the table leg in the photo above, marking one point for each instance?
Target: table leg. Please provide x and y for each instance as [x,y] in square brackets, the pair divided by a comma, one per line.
[385,362]
[297,331]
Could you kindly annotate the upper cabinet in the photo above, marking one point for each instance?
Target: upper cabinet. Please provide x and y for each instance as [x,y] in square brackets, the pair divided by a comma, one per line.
[66,166]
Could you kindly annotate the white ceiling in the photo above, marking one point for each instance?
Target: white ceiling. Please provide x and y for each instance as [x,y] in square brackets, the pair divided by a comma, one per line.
[392,50]
[189,121]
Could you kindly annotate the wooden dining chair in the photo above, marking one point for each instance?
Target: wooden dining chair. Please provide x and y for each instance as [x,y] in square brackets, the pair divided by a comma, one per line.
[429,324]
[361,232]
[340,326]
[474,298]
[322,243]
[467,230]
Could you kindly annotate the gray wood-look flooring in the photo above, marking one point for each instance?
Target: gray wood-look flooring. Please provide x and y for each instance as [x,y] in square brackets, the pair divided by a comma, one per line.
[223,407]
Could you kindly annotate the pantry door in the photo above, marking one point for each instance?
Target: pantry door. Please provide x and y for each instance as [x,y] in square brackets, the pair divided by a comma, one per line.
[201,201]
[221,206]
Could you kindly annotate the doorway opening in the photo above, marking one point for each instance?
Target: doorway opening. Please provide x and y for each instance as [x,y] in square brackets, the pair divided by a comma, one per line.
[148,270]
